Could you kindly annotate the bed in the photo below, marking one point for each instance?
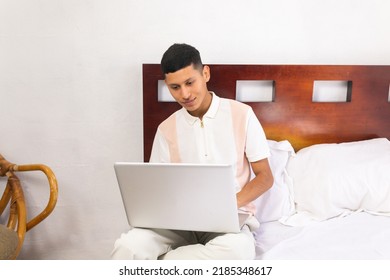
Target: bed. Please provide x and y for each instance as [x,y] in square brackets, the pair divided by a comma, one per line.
[328,128]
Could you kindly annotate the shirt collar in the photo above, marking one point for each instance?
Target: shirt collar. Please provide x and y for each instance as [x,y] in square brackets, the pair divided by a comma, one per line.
[211,112]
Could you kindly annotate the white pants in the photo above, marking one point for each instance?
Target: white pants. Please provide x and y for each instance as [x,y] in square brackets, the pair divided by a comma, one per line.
[152,244]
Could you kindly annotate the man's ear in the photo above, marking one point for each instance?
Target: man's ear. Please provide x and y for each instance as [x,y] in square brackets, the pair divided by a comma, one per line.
[206,72]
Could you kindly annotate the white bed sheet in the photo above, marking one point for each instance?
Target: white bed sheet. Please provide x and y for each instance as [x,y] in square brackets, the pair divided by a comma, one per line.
[359,236]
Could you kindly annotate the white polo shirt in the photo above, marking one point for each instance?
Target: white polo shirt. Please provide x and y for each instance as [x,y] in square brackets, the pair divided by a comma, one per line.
[229,133]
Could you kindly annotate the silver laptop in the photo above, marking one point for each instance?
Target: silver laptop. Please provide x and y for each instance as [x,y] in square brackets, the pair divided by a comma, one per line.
[179,196]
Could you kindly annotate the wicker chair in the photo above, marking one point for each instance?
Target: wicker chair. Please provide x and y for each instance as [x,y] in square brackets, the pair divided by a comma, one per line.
[13,207]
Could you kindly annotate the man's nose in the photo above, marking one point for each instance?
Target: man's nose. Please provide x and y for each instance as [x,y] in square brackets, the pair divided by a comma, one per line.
[185,93]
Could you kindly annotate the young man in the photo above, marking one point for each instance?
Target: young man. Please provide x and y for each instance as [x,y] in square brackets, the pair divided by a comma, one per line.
[208,129]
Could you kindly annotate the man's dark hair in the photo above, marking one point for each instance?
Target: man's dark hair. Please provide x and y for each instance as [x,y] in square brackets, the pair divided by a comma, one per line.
[179,56]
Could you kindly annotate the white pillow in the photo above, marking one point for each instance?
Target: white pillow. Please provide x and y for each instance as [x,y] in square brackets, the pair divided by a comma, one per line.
[276,202]
[330,180]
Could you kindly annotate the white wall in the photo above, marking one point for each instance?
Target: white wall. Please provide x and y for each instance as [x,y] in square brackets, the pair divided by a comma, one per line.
[70,86]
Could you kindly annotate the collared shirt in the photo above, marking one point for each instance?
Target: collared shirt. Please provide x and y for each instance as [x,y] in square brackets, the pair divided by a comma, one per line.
[229,133]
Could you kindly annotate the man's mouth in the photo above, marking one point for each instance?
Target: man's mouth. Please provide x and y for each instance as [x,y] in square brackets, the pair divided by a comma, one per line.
[189,103]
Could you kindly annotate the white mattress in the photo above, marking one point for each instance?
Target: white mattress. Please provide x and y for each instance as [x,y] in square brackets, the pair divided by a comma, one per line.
[354,237]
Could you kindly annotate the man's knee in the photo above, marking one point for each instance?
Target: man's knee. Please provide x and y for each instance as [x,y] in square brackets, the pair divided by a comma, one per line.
[235,246]
[137,244]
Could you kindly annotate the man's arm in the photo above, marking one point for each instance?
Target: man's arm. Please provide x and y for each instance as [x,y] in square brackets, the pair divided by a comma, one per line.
[262,181]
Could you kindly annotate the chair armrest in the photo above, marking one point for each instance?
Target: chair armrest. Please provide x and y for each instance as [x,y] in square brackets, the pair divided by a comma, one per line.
[53,190]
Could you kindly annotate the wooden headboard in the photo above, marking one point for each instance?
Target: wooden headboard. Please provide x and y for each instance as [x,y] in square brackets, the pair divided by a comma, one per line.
[292,115]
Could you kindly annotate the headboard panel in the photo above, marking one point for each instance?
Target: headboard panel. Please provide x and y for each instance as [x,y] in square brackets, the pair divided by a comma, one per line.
[292,115]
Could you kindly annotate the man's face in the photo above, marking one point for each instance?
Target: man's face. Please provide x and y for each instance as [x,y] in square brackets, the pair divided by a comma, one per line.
[188,87]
